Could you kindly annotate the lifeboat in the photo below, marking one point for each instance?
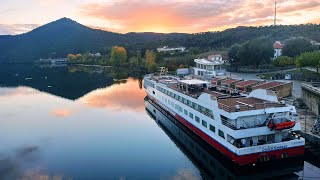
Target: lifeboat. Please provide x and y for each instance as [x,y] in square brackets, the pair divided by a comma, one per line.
[281,126]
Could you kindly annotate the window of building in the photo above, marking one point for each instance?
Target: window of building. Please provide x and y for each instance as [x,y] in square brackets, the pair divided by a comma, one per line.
[185,112]
[212,128]
[221,133]
[197,119]
[204,123]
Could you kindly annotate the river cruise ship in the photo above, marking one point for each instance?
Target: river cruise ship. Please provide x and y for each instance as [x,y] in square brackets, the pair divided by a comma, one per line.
[246,128]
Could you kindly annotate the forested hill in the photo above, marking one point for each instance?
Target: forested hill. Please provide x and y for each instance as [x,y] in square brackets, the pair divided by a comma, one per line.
[64,36]
[229,37]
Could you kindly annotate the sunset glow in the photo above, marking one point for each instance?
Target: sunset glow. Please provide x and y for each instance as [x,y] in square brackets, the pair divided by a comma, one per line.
[156,16]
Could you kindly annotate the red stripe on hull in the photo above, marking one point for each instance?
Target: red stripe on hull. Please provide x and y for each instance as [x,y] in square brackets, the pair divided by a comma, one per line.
[243,159]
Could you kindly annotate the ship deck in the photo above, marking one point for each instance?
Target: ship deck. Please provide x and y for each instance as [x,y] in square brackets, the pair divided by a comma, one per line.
[245,104]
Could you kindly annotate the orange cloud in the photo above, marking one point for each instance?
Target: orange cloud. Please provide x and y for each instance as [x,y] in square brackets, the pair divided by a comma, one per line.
[195,16]
[62,112]
[118,97]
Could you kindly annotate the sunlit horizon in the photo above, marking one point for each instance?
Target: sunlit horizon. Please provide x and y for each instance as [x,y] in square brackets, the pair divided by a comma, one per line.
[183,16]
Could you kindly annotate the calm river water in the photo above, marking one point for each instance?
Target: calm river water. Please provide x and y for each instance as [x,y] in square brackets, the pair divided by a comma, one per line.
[93,123]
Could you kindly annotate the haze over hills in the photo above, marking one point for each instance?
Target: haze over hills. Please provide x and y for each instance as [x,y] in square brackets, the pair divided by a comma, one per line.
[65,36]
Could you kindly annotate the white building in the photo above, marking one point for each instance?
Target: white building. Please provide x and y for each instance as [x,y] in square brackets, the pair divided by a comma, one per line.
[167,49]
[208,68]
[277,46]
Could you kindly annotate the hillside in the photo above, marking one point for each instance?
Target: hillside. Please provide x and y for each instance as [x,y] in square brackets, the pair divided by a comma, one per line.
[229,37]
[64,36]
[58,38]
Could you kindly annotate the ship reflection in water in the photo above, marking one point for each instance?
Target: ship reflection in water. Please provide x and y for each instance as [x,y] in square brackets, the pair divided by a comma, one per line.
[211,164]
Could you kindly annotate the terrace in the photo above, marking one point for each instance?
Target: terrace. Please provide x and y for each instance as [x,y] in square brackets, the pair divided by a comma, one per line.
[245,104]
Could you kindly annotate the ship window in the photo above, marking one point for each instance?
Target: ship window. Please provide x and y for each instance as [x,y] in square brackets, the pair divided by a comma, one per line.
[204,123]
[197,119]
[221,133]
[185,112]
[190,115]
[153,92]
[212,128]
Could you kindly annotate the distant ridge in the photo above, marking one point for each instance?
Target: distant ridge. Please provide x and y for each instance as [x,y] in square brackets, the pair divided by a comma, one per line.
[65,36]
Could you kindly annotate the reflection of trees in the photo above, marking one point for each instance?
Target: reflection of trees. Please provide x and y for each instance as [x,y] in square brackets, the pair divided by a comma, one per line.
[115,72]
[140,83]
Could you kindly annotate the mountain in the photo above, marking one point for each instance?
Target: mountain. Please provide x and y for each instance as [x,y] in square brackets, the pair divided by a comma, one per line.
[65,36]
[241,34]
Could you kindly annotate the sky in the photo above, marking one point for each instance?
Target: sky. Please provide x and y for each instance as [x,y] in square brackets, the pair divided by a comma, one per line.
[188,16]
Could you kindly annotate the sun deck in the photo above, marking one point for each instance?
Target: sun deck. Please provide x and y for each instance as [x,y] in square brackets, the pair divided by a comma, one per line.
[245,104]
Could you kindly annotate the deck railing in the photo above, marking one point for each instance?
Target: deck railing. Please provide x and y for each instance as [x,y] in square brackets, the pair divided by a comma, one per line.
[241,124]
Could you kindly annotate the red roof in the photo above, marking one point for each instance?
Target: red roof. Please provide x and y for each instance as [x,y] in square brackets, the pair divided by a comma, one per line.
[268,85]
[229,81]
[215,80]
[277,45]
[246,83]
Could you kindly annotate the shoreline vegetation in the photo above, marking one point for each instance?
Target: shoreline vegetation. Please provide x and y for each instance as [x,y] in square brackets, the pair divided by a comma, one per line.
[254,56]
[148,60]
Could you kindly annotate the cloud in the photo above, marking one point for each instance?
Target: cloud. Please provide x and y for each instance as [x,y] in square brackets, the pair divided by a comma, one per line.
[117,97]
[21,90]
[185,174]
[63,112]
[193,16]
[13,29]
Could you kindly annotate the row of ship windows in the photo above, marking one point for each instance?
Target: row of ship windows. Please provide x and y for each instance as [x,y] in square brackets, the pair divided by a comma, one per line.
[196,118]
[193,105]
[148,83]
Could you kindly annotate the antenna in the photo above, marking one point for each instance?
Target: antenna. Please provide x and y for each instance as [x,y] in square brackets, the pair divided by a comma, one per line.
[275,13]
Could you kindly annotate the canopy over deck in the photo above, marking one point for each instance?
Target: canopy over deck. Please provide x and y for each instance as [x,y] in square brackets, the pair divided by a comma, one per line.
[194,82]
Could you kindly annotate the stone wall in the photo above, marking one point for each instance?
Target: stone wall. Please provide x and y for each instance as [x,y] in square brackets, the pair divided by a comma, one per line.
[311,96]
[283,90]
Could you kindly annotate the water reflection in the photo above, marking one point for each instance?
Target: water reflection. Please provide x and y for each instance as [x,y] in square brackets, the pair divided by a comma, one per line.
[91,124]
[210,164]
[124,96]
[70,82]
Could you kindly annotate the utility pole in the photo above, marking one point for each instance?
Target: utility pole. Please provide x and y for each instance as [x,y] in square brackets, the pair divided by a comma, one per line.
[275,13]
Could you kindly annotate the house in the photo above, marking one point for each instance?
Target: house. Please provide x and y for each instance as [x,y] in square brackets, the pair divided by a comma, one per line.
[209,67]
[277,46]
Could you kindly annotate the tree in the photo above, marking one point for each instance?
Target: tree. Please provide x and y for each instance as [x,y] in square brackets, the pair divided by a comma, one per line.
[150,60]
[233,54]
[118,55]
[294,47]
[71,57]
[139,60]
[309,59]
[283,61]
[256,51]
